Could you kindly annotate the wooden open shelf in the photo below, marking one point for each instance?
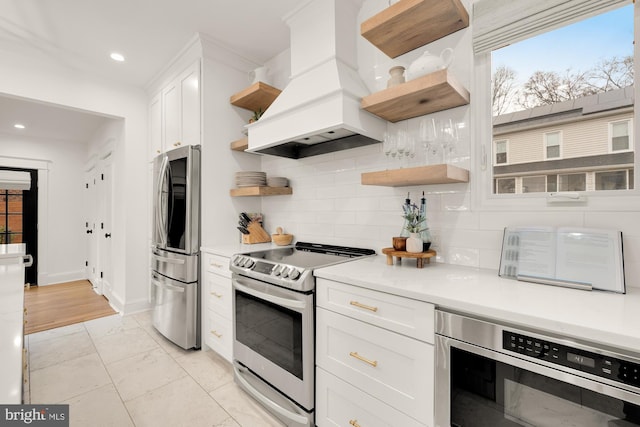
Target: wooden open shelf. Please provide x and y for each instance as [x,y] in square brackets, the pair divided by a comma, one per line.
[240,144]
[260,191]
[409,24]
[257,96]
[427,94]
[421,175]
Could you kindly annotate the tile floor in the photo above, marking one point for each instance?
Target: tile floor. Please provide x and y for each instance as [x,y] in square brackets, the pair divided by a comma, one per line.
[119,371]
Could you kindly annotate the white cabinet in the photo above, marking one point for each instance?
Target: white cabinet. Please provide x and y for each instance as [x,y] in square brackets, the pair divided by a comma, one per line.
[216,305]
[381,347]
[175,113]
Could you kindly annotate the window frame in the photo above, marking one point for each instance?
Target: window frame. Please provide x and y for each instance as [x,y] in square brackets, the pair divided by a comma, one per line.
[506,151]
[629,131]
[545,145]
[481,150]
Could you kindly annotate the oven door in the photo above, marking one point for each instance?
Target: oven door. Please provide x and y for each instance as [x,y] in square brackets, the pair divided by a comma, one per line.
[273,332]
[480,387]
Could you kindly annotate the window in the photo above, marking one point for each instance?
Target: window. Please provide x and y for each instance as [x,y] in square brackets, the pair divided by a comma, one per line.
[552,144]
[11,216]
[562,93]
[533,184]
[501,152]
[620,135]
[505,185]
[613,180]
[572,182]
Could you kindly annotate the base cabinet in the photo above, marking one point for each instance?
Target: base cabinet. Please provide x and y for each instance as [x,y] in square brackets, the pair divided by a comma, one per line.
[338,403]
[374,358]
[216,305]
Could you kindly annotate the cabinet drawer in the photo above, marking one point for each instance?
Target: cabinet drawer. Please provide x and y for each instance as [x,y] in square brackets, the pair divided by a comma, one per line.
[391,367]
[341,404]
[218,294]
[216,264]
[219,335]
[403,315]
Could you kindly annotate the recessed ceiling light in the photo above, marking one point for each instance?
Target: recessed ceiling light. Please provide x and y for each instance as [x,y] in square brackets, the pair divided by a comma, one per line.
[18,126]
[117,57]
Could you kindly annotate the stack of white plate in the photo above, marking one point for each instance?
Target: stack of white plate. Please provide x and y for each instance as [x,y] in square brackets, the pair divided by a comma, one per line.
[277,181]
[251,179]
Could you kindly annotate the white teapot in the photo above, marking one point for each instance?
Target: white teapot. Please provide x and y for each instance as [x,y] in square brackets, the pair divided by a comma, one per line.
[428,63]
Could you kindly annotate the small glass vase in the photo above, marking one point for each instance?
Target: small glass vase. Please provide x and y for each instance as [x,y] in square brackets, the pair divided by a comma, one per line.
[414,243]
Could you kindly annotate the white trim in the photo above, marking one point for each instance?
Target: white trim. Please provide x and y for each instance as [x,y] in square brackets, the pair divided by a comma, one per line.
[498,23]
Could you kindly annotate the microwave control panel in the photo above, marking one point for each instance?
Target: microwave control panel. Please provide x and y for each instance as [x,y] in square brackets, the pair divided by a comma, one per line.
[597,364]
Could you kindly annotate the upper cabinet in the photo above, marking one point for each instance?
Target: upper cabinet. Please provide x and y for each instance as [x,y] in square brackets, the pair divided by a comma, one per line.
[409,24]
[175,114]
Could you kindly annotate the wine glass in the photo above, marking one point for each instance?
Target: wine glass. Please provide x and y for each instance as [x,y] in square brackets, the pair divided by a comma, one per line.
[401,144]
[449,139]
[428,135]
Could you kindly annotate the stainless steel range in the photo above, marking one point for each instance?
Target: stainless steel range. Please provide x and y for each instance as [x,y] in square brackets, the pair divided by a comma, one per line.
[274,324]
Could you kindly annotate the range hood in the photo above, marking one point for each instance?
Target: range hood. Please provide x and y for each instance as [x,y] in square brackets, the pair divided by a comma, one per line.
[319,110]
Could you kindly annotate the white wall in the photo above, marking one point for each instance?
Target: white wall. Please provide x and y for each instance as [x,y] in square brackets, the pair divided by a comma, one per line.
[62,257]
[36,78]
[330,205]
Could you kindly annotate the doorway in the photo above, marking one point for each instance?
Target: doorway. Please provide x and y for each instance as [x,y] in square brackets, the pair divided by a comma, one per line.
[19,220]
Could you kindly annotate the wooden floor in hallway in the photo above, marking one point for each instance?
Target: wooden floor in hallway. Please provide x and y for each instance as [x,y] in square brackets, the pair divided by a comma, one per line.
[63,304]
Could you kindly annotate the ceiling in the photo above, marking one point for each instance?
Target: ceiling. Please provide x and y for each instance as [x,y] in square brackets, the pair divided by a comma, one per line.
[81,34]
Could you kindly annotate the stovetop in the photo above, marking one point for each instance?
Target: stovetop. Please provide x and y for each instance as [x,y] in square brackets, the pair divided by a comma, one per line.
[292,266]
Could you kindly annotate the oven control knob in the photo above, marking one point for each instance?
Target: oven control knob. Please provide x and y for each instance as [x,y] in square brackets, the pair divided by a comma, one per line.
[294,274]
[285,272]
[277,270]
[249,263]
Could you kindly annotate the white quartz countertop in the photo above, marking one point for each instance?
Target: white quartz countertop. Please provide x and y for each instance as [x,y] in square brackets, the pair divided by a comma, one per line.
[595,316]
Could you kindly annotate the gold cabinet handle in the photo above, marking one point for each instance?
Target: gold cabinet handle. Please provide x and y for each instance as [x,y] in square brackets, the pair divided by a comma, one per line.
[354,423]
[177,144]
[216,295]
[373,363]
[366,307]
[216,333]
[216,265]
[158,151]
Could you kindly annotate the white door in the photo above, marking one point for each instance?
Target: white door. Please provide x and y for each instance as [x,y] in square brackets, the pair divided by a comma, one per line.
[103,227]
[91,262]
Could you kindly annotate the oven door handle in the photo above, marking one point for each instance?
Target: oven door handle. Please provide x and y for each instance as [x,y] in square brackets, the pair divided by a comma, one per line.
[284,302]
[297,418]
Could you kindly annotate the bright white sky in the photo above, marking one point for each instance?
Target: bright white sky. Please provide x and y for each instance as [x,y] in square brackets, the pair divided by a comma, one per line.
[578,46]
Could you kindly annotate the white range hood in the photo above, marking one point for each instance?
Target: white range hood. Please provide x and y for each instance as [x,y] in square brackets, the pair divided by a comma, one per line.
[319,110]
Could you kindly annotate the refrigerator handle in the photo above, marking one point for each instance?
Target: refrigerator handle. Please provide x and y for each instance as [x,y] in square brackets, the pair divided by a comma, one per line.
[161,227]
[167,286]
[168,260]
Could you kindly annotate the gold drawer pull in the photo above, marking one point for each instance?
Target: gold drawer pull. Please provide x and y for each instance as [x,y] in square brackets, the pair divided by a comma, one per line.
[366,307]
[215,265]
[354,423]
[217,334]
[373,363]
[216,295]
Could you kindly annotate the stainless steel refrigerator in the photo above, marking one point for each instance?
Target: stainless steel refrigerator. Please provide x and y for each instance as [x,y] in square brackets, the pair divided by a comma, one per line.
[175,251]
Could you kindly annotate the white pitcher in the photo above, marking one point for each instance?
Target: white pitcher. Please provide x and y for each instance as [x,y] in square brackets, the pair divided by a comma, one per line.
[428,63]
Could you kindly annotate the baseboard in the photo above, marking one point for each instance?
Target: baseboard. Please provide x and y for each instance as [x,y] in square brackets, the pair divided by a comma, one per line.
[137,306]
[54,279]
